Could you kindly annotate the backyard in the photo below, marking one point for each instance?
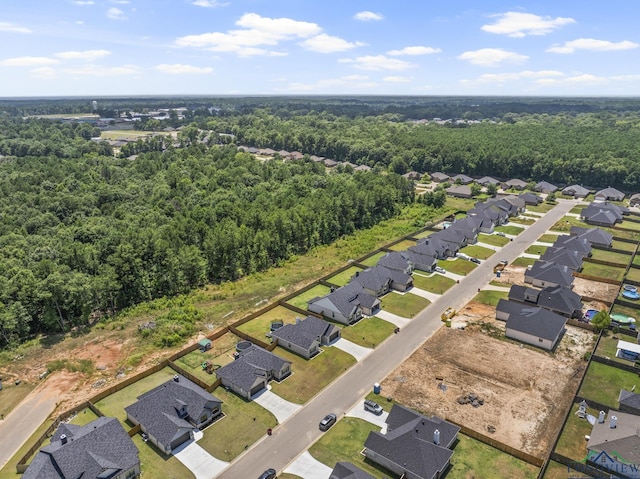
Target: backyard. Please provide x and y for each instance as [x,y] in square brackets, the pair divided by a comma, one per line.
[602,271]
[602,383]
[405,305]
[344,277]
[607,347]
[310,376]
[368,332]
[571,442]
[634,274]
[624,246]
[435,283]
[402,245]
[301,300]
[258,327]
[373,260]
[611,257]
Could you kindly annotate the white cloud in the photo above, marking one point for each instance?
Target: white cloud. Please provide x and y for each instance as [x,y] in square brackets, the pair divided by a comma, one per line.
[27,61]
[257,31]
[367,16]
[79,22]
[102,71]
[378,62]
[82,3]
[209,3]
[180,69]
[518,24]
[492,56]
[515,76]
[577,80]
[414,51]
[352,82]
[116,14]
[10,27]
[43,72]
[121,2]
[593,45]
[324,43]
[396,79]
[89,55]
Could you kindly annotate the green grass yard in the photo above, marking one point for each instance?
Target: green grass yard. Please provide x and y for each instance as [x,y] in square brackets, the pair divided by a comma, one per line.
[536,249]
[611,257]
[633,274]
[548,238]
[301,300]
[84,417]
[509,229]
[405,305]
[260,326]
[343,278]
[368,332]
[521,221]
[555,470]
[602,383]
[154,463]
[521,261]
[541,208]
[11,395]
[435,283]
[403,245]
[623,245]
[571,442]
[373,260]
[457,266]
[310,376]
[602,271]
[478,251]
[490,298]
[634,313]
[494,240]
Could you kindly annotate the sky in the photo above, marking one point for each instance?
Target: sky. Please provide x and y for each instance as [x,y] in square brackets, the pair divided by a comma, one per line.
[312,47]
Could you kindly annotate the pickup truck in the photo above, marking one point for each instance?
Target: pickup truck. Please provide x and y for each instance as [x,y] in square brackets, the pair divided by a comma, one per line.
[448,314]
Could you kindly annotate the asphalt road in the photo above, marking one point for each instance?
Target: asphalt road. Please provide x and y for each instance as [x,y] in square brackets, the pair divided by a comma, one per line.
[301,430]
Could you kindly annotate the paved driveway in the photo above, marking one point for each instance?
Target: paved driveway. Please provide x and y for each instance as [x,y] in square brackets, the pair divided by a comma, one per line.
[424,294]
[393,318]
[200,462]
[359,412]
[355,350]
[280,408]
[307,467]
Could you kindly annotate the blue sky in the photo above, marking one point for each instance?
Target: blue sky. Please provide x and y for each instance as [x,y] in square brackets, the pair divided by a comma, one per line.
[275,47]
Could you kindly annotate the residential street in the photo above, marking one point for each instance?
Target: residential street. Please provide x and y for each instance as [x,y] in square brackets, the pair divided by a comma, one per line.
[301,430]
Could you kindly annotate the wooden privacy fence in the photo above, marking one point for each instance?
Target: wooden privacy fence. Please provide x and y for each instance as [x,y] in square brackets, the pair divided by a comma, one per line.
[573,465]
[129,381]
[615,364]
[597,278]
[605,263]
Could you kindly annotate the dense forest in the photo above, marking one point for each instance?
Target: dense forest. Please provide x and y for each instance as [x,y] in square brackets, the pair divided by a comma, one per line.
[83,233]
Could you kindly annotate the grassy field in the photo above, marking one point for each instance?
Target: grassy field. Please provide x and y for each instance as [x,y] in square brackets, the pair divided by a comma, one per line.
[631,247]
[603,383]
[373,260]
[261,325]
[11,395]
[154,463]
[509,229]
[436,283]
[244,423]
[548,238]
[493,240]
[343,278]
[541,208]
[457,266]
[521,261]
[114,404]
[403,245]
[473,458]
[344,442]
[128,134]
[555,470]
[536,249]
[490,298]
[311,376]
[572,443]
[611,257]
[634,274]
[9,469]
[630,225]
[369,332]
[478,251]
[84,417]
[301,300]
[602,271]
[405,305]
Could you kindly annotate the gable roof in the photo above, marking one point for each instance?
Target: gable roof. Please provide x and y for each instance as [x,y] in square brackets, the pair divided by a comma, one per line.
[595,236]
[545,187]
[565,256]
[100,446]
[487,180]
[560,298]
[459,190]
[610,194]
[394,260]
[464,179]
[374,279]
[574,243]
[346,470]
[304,333]
[530,198]
[438,176]
[550,272]
[538,322]
[157,410]
[629,399]
[522,293]
[251,366]
[576,190]
[622,441]
[409,442]
[419,260]
[516,182]
[348,298]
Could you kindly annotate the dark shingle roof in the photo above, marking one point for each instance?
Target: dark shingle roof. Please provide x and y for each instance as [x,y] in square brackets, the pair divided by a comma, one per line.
[346,470]
[459,190]
[629,399]
[420,261]
[570,258]
[509,307]
[464,179]
[531,199]
[575,243]
[394,260]
[374,279]
[595,236]
[610,194]
[537,322]
[305,332]
[347,298]
[545,187]
[487,180]
[551,272]
[575,190]
[101,445]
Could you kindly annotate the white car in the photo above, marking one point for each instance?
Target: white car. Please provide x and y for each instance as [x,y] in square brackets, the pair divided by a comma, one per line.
[500,233]
[463,256]
[440,270]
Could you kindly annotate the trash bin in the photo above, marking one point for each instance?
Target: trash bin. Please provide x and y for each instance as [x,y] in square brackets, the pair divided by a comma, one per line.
[376,388]
[498,273]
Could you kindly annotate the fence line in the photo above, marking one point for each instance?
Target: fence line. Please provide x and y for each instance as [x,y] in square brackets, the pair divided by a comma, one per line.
[605,263]
[188,375]
[597,278]
[583,468]
[615,364]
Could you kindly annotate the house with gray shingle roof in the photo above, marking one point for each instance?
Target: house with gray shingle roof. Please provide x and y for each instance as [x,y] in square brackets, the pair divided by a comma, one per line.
[305,337]
[559,299]
[515,183]
[621,441]
[420,262]
[536,326]
[346,470]
[576,191]
[459,191]
[634,200]
[531,199]
[567,257]
[414,446]
[100,449]
[396,260]
[629,402]
[595,236]
[252,370]
[603,214]
[379,280]
[345,305]
[507,307]
[607,194]
[543,274]
[439,177]
[169,413]
[462,179]
[487,180]
[434,246]
[575,243]
[545,187]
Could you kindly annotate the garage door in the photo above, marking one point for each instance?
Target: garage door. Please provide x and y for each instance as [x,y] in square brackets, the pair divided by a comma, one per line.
[257,388]
[176,442]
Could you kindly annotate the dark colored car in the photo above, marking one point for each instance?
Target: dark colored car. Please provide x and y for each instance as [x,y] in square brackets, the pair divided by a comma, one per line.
[328,421]
[474,260]
[268,474]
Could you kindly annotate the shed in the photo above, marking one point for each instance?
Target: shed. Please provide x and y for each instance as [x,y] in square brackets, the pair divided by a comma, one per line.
[205,344]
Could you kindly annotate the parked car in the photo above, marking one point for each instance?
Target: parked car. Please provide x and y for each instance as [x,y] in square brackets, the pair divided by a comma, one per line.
[500,233]
[328,421]
[440,270]
[144,436]
[373,407]
[474,260]
[268,474]
[463,256]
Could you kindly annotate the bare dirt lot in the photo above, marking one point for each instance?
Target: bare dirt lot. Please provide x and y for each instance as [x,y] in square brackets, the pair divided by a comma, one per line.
[526,391]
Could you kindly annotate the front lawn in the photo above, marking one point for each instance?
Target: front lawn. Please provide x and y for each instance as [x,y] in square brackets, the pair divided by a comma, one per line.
[310,376]
[343,278]
[536,249]
[572,443]
[541,208]
[260,326]
[490,298]
[368,332]
[602,271]
[565,223]
[522,261]
[509,229]
[472,458]
[548,238]
[114,404]
[344,442]
[457,266]
[373,260]
[493,240]
[403,245]
[478,251]
[522,221]
[436,283]
[603,383]
[405,305]
[154,463]
[244,423]
[301,300]
[611,257]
